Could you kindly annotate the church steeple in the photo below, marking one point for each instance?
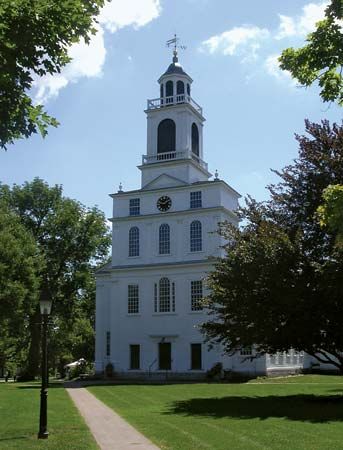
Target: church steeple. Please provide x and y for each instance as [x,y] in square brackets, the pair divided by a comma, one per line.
[175,81]
[175,124]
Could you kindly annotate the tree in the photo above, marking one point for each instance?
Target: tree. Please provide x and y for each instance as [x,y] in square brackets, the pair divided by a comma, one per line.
[330,213]
[19,263]
[281,282]
[71,240]
[34,40]
[73,337]
[322,58]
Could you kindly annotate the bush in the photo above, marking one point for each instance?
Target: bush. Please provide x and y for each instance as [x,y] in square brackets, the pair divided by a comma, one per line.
[215,371]
[109,370]
[76,371]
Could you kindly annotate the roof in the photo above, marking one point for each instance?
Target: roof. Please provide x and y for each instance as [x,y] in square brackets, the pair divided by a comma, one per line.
[175,68]
[195,183]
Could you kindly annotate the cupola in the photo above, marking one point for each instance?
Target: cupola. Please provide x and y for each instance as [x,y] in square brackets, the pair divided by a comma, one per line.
[175,82]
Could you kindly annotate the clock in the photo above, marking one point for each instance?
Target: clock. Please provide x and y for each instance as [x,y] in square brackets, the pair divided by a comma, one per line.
[164,203]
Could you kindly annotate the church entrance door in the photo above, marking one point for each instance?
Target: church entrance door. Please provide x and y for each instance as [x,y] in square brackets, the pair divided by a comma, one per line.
[164,356]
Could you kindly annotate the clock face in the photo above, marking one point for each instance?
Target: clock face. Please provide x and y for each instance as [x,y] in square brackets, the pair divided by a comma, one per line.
[164,203]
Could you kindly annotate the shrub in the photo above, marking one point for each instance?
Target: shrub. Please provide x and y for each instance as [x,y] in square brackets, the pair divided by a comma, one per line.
[215,371]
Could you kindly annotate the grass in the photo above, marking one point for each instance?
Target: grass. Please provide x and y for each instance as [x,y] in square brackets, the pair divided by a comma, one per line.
[19,413]
[294,413]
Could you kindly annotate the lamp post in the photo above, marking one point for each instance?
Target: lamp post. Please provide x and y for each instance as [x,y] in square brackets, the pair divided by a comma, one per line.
[45,310]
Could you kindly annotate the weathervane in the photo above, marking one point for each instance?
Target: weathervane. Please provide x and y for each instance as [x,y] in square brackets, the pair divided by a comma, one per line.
[176,42]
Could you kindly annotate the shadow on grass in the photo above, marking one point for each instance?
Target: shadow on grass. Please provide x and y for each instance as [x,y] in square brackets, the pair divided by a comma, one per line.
[309,408]
[13,438]
[30,385]
[91,383]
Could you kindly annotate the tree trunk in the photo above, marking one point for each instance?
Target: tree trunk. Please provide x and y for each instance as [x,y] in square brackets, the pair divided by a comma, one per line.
[33,362]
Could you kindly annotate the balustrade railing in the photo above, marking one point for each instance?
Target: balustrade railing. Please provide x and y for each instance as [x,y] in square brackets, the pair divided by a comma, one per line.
[290,358]
[167,156]
[162,102]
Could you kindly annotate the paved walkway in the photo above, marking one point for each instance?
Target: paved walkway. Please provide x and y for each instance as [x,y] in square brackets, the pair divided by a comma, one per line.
[110,431]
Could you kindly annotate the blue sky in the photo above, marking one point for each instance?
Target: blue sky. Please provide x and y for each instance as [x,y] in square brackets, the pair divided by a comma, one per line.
[252,108]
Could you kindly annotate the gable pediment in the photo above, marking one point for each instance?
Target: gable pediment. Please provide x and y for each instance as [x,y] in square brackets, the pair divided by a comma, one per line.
[163,181]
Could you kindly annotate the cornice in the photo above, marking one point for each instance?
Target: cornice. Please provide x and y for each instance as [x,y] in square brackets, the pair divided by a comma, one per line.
[175,162]
[184,212]
[202,262]
[176,106]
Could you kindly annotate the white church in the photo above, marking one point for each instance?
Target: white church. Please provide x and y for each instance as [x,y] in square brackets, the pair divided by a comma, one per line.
[148,299]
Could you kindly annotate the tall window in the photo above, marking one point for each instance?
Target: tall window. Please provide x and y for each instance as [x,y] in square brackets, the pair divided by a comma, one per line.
[173,297]
[166,133]
[195,236]
[164,239]
[196,295]
[135,357]
[132,299]
[195,199]
[196,360]
[188,89]
[134,209]
[134,241]
[161,93]
[164,293]
[108,343]
[169,89]
[180,87]
[164,303]
[155,298]
[195,139]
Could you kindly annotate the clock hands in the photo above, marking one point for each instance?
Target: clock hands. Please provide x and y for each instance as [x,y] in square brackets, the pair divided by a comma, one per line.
[164,203]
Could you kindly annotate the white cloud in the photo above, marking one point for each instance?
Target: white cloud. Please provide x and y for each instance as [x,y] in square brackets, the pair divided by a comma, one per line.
[272,67]
[88,60]
[244,40]
[250,41]
[286,28]
[303,24]
[121,13]
[48,87]
[247,40]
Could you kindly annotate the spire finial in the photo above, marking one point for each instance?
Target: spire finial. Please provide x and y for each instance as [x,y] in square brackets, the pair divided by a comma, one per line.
[175,41]
[216,178]
[175,57]
[120,187]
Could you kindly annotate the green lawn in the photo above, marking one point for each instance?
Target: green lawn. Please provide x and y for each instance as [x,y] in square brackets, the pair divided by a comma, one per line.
[19,420]
[297,413]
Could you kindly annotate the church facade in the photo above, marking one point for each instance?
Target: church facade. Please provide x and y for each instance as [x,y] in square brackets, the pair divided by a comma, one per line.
[148,299]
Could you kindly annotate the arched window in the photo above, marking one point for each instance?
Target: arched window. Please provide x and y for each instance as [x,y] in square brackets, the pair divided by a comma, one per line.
[134,241]
[195,139]
[188,89]
[166,136]
[180,87]
[164,296]
[195,236]
[169,89]
[164,239]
